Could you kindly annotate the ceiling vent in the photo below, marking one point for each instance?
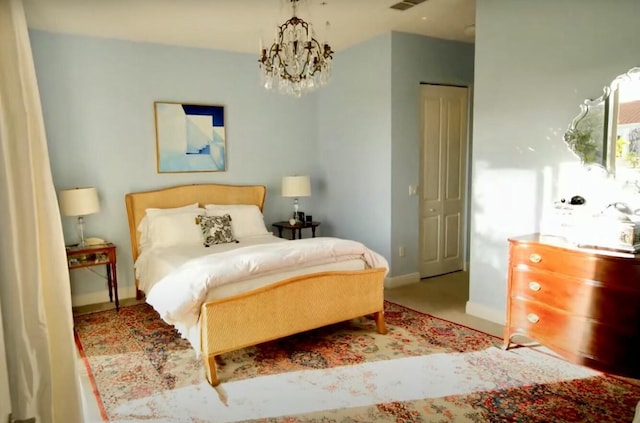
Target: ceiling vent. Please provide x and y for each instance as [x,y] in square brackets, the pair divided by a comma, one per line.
[406,4]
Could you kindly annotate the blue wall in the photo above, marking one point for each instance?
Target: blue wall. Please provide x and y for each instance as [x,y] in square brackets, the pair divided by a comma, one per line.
[416,60]
[97,98]
[354,143]
[356,137]
[535,64]
[370,144]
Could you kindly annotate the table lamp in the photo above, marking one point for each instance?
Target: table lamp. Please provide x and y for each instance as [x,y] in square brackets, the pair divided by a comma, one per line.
[79,202]
[296,186]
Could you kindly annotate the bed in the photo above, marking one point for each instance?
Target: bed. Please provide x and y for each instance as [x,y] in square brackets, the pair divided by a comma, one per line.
[282,304]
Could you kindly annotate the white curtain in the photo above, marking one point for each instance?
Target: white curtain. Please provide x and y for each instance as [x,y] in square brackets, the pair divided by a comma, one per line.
[35,293]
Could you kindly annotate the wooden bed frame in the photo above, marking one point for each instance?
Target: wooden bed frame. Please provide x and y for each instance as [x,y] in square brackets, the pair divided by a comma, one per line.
[280,309]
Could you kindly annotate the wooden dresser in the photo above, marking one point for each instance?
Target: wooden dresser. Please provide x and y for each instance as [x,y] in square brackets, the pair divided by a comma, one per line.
[584,304]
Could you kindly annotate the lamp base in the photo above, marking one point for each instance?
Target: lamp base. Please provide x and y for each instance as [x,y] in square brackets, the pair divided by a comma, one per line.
[295,210]
[82,242]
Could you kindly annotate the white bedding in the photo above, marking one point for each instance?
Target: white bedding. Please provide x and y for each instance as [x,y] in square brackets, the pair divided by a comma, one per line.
[154,264]
[179,281]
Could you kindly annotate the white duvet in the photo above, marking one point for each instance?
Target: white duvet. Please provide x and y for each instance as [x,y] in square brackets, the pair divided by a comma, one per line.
[155,263]
[178,296]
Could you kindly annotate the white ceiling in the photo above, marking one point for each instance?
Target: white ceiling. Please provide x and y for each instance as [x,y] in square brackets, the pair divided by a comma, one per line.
[238,25]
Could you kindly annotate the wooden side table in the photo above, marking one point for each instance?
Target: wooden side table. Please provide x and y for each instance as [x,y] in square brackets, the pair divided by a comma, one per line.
[97,255]
[297,227]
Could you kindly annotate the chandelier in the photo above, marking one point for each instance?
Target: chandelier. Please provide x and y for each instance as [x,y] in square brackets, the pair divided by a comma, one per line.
[296,62]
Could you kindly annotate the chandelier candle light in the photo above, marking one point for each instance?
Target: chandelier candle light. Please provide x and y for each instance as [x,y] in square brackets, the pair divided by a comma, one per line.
[296,62]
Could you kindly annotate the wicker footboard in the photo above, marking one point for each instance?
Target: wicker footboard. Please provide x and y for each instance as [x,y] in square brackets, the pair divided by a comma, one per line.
[291,306]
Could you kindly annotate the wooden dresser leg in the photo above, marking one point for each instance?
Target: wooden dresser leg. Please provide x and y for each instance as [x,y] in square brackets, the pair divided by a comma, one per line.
[380,324]
[210,368]
[507,340]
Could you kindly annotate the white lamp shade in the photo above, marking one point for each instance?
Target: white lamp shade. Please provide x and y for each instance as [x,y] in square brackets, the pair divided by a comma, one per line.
[296,186]
[79,201]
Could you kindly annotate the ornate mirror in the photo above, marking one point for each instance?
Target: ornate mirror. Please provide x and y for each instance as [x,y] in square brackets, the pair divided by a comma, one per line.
[606,133]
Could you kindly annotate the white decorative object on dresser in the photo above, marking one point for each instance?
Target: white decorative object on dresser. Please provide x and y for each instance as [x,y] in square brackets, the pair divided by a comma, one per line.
[583,304]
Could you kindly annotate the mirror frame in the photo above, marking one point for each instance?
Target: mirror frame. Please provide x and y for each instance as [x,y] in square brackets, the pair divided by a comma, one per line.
[572,136]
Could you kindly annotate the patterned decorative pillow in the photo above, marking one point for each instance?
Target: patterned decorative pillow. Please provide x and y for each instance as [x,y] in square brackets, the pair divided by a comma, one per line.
[215,229]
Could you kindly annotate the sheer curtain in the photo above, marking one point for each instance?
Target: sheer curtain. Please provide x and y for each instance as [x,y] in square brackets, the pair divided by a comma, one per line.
[35,298]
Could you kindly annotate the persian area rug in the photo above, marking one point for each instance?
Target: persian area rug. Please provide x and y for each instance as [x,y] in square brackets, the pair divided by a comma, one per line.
[424,370]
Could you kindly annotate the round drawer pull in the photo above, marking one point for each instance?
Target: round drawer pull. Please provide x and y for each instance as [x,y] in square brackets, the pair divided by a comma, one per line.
[535,258]
[534,286]
[533,318]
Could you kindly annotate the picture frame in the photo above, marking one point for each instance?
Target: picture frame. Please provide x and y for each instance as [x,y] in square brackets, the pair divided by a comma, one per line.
[190,137]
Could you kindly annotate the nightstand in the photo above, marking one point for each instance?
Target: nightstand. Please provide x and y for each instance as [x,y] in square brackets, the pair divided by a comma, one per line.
[96,255]
[297,227]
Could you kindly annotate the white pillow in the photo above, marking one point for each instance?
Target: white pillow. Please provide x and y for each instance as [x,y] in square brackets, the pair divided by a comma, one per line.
[246,220]
[171,226]
[171,210]
[175,229]
[144,222]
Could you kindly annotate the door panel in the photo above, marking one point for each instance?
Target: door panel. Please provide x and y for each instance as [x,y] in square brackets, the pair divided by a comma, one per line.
[452,228]
[430,244]
[431,152]
[443,177]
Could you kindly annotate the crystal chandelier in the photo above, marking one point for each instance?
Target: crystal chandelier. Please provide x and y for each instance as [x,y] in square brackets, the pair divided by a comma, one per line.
[296,62]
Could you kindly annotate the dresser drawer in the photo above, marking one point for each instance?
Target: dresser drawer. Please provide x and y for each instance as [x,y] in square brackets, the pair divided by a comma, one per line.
[612,346]
[610,304]
[577,264]
[582,304]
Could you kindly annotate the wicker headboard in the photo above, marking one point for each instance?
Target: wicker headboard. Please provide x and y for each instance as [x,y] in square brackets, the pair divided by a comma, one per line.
[181,195]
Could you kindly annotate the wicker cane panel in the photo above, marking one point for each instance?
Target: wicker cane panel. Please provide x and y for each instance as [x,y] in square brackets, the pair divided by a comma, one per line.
[291,306]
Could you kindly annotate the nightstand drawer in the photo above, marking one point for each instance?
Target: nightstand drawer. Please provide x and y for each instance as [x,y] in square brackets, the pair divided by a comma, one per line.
[87,259]
[96,255]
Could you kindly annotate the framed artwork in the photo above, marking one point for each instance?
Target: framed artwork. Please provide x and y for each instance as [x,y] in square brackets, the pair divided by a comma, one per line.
[190,137]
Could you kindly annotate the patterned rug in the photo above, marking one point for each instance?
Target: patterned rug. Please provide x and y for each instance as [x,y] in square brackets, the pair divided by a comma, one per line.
[424,370]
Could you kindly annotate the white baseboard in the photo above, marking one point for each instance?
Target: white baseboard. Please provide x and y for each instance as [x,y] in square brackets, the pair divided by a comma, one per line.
[102,296]
[130,291]
[487,313]
[397,281]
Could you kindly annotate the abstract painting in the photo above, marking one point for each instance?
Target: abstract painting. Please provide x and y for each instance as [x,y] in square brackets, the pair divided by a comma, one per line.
[190,137]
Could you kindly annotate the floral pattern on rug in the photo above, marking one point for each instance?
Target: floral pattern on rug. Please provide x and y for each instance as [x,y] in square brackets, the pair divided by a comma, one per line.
[134,355]
[410,333]
[592,400]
